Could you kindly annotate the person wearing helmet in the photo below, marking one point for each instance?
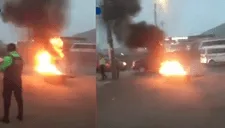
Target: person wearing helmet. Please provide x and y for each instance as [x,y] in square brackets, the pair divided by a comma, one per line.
[12,67]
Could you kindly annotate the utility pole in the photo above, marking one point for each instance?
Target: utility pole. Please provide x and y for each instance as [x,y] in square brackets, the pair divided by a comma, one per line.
[109,16]
[155,14]
[163,26]
[111,50]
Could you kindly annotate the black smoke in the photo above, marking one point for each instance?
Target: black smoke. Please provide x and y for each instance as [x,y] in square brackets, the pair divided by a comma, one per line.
[144,35]
[120,11]
[133,35]
[43,18]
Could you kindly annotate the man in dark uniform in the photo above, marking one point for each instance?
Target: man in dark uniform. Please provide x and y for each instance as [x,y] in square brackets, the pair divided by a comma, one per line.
[12,67]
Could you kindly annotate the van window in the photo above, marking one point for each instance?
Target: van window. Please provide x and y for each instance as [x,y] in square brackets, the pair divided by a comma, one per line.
[211,43]
[77,46]
[216,51]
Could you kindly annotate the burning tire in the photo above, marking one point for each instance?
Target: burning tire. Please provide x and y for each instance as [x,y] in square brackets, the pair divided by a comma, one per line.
[174,71]
[55,79]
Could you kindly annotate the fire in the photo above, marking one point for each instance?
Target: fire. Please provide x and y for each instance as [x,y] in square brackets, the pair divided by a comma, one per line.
[45,62]
[57,44]
[170,68]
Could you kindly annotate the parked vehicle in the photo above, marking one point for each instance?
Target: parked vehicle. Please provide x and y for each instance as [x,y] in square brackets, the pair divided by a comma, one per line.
[83,47]
[212,55]
[140,65]
[83,53]
[146,64]
[214,42]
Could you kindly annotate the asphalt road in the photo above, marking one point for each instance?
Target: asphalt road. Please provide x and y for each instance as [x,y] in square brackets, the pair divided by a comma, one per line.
[154,102]
[72,105]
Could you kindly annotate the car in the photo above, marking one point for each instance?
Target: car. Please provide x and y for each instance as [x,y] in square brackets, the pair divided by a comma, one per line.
[140,65]
[172,64]
[150,62]
[145,64]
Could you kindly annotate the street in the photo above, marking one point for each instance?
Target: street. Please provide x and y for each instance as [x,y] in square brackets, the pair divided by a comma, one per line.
[72,105]
[153,102]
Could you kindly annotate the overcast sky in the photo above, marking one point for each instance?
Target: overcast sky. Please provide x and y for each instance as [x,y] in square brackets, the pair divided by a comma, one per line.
[82,18]
[186,17]
[181,17]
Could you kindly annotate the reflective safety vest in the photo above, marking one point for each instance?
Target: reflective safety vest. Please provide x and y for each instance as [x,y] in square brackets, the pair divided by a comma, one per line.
[14,71]
[102,61]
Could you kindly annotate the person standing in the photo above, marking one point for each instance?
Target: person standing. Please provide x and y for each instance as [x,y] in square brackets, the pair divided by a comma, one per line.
[102,64]
[12,67]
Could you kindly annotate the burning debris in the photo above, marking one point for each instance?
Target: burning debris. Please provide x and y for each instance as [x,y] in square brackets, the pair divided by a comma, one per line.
[44,20]
[45,62]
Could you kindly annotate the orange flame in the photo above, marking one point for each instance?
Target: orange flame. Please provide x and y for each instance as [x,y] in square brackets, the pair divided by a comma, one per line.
[57,44]
[170,68]
[45,62]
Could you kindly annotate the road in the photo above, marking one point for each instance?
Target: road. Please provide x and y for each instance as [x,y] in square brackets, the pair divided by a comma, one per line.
[154,102]
[72,105]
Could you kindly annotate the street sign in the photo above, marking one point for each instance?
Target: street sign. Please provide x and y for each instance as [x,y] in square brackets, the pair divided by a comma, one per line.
[98,11]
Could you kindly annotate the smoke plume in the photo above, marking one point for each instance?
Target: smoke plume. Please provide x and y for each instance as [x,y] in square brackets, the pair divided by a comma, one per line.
[120,11]
[131,34]
[43,18]
[144,35]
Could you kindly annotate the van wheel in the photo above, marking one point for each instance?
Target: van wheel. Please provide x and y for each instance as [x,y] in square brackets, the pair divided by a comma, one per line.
[212,62]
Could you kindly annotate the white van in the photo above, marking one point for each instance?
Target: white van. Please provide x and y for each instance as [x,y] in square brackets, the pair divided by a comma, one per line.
[83,54]
[214,42]
[83,47]
[212,54]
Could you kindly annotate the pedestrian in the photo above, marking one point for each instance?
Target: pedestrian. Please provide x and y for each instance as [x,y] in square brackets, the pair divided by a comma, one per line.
[117,68]
[102,64]
[12,67]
